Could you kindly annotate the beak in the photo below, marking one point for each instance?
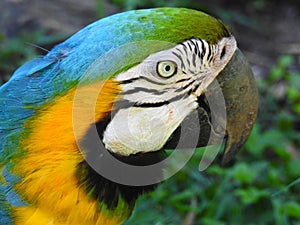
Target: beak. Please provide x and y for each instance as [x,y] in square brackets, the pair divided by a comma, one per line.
[235,99]
[241,99]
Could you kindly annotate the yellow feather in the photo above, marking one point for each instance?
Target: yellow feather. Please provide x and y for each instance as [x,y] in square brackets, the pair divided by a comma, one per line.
[49,166]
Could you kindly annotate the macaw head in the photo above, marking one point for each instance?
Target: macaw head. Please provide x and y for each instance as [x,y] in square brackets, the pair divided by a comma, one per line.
[184,83]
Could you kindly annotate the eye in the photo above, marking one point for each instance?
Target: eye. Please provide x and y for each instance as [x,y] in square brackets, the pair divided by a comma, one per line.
[166,69]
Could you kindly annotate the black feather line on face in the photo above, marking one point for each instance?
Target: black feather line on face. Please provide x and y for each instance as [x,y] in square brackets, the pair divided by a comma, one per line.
[140,89]
[180,59]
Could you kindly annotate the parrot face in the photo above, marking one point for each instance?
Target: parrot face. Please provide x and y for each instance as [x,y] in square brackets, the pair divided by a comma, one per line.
[161,92]
[66,114]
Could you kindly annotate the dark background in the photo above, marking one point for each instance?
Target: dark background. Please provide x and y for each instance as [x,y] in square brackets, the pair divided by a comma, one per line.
[263,185]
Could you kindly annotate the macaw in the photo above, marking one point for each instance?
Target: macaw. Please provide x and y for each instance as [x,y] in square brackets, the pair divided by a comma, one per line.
[119,89]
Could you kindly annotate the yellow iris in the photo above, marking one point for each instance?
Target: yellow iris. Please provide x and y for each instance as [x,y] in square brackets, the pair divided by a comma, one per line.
[166,69]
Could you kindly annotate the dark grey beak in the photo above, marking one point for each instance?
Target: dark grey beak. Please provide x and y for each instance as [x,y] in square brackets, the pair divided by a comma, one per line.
[241,97]
[227,111]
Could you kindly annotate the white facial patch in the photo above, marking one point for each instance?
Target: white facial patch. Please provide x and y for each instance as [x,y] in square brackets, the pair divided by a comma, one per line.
[162,91]
[136,129]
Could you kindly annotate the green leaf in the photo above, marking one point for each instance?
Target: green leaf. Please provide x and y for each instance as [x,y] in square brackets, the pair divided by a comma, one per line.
[285,61]
[279,71]
[244,173]
[293,168]
[296,108]
[251,195]
[293,93]
[279,216]
[276,74]
[210,221]
[292,209]
[255,144]
[100,8]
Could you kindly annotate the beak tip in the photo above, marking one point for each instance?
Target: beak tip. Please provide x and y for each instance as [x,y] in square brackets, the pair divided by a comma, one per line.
[231,149]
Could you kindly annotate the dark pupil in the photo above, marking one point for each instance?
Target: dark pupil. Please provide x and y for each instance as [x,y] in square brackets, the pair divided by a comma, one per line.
[168,68]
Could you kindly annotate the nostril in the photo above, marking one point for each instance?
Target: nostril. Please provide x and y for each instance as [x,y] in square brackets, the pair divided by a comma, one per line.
[223,52]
